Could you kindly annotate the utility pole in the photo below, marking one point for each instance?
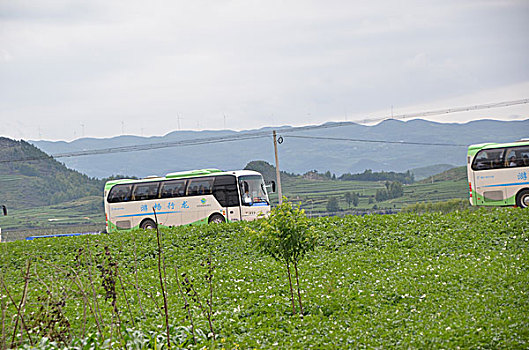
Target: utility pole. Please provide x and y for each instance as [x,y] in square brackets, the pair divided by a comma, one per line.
[278,175]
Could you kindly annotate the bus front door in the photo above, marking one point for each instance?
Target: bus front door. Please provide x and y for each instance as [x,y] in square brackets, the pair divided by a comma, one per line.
[226,193]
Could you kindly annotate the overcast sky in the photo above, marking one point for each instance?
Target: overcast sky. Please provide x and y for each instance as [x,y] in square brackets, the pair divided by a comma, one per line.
[98,68]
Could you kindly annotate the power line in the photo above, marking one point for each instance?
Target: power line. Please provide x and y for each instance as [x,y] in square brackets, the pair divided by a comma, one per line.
[153,146]
[146,147]
[260,134]
[378,141]
[452,110]
[409,115]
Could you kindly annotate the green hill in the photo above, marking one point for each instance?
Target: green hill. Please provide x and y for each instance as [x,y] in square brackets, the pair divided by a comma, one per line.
[454,174]
[39,182]
[268,171]
[426,171]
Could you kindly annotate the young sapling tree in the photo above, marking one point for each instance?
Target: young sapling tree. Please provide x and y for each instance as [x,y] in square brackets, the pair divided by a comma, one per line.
[287,237]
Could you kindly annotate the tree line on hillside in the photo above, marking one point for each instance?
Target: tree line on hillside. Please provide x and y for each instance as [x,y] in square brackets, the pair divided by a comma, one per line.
[267,170]
[392,190]
[269,173]
[369,175]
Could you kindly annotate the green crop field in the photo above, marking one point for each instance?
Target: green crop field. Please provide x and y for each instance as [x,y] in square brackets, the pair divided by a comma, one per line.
[443,281]
[430,192]
[314,194]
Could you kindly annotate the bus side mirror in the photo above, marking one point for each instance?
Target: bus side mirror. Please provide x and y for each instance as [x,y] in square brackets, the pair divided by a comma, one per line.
[4,209]
[271,186]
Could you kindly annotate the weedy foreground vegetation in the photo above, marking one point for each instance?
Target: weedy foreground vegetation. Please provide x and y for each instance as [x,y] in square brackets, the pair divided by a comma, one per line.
[406,280]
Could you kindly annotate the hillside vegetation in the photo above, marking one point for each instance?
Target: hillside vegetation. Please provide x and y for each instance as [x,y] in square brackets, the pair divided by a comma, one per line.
[454,174]
[436,281]
[424,172]
[41,182]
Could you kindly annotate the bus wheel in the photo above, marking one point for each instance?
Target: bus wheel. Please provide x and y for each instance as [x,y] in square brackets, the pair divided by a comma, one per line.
[216,219]
[148,225]
[522,199]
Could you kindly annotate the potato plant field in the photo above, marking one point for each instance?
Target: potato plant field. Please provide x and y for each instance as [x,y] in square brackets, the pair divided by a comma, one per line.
[378,281]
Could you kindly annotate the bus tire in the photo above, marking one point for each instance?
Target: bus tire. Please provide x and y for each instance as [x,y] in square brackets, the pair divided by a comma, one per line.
[147,224]
[216,219]
[522,199]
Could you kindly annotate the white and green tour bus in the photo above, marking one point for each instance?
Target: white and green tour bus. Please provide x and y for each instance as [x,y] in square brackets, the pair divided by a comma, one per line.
[497,174]
[186,198]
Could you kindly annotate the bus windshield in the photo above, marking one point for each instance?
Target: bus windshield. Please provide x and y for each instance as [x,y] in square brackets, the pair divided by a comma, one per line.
[253,190]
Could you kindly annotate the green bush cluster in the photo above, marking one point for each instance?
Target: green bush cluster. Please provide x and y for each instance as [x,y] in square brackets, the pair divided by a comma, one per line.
[392,190]
[369,175]
[443,207]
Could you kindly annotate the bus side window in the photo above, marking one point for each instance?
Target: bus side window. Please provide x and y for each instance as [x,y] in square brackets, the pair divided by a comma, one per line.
[146,191]
[522,156]
[165,191]
[517,157]
[488,159]
[172,189]
[119,193]
[192,190]
[200,186]
[510,159]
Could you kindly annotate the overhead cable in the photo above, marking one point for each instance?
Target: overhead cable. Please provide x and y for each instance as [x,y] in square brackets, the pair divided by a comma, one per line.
[146,147]
[378,141]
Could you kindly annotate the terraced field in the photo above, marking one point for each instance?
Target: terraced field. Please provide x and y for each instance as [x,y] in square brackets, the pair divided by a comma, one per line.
[314,195]
[83,215]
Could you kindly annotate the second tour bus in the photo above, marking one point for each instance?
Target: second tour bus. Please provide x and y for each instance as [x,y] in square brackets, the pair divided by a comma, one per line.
[185,198]
[497,174]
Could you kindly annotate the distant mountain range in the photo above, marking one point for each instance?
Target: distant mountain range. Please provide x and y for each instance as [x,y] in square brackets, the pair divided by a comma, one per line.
[297,155]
